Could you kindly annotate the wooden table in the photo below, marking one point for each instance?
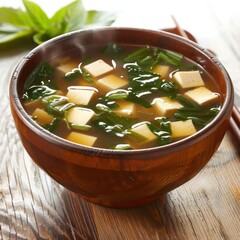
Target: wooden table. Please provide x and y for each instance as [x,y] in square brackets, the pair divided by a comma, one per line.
[33,206]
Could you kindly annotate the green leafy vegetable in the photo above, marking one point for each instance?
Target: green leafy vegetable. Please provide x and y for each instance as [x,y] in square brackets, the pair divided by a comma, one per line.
[141,80]
[38,91]
[163,131]
[111,49]
[56,105]
[40,82]
[87,77]
[119,94]
[41,75]
[53,125]
[199,116]
[80,127]
[139,54]
[147,57]
[73,75]
[112,123]
[33,22]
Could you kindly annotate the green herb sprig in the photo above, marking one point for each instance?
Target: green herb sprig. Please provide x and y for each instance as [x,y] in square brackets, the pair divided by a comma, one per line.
[32,22]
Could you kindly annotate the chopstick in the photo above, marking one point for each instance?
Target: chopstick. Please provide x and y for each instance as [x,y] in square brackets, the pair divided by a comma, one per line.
[235,118]
[235,125]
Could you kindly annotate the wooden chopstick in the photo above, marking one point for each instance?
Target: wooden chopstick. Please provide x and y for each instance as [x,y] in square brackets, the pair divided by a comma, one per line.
[180,31]
[235,118]
[235,126]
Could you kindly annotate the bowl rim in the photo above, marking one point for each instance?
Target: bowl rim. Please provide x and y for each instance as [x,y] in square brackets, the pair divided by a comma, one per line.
[174,146]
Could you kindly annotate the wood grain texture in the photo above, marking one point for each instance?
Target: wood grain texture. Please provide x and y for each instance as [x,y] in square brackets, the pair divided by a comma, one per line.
[33,206]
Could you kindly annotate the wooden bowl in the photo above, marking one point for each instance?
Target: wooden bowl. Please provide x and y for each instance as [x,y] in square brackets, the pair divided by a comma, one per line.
[117,178]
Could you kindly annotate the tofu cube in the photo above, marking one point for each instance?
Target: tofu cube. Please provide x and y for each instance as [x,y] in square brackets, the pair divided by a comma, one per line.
[81,138]
[162,70]
[202,96]
[111,82]
[126,109]
[188,79]
[142,133]
[181,129]
[81,95]
[98,68]
[165,106]
[42,117]
[65,68]
[79,116]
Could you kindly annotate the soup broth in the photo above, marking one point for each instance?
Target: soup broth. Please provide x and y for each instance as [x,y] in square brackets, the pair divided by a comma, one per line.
[122,97]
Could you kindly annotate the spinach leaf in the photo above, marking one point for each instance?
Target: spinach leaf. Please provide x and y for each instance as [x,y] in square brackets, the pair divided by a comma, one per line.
[40,82]
[42,75]
[111,123]
[37,91]
[139,54]
[163,131]
[53,125]
[56,105]
[72,75]
[111,48]
[199,116]
[142,80]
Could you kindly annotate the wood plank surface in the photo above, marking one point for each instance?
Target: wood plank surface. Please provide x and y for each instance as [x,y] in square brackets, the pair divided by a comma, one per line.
[33,206]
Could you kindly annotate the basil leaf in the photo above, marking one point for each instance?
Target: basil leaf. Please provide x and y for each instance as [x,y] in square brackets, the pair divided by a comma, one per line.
[34,21]
[40,38]
[39,19]
[69,17]
[59,21]
[10,36]
[95,18]
[76,16]
[15,17]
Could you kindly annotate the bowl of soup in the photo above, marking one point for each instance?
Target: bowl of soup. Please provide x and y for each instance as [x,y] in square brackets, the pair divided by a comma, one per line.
[121,116]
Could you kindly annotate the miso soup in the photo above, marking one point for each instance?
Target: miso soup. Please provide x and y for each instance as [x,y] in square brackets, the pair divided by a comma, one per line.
[122,97]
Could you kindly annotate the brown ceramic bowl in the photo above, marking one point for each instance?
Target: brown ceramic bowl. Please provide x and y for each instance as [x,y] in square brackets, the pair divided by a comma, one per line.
[112,177]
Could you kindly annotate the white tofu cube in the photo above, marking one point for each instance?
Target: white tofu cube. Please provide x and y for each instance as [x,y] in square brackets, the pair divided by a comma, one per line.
[181,129]
[81,95]
[111,82]
[142,133]
[201,96]
[65,68]
[126,109]
[188,79]
[165,106]
[162,70]
[79,116]
[81,138]
[42,117]
[98,68]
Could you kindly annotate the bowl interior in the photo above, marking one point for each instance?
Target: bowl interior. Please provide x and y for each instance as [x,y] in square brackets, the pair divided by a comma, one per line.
[77,42]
